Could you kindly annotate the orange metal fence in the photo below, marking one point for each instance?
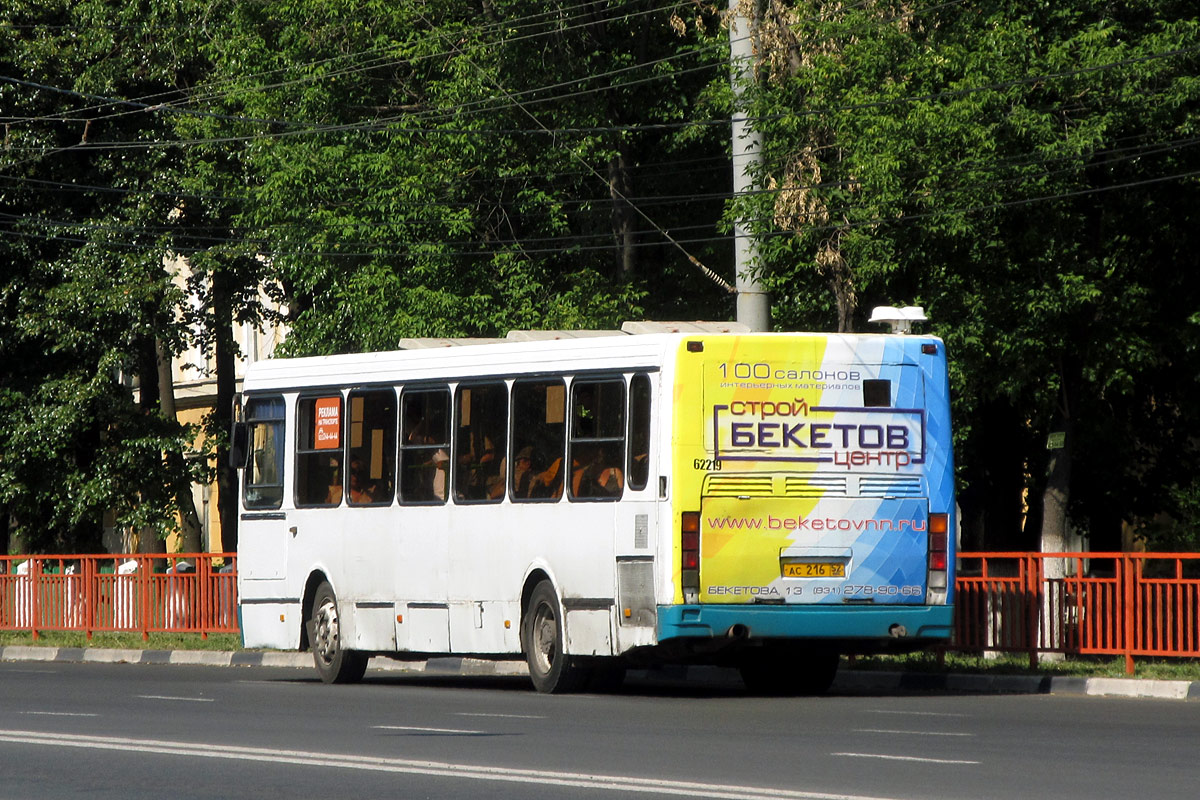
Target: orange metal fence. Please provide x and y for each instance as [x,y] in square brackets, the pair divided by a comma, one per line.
[1124,604]
[179,593]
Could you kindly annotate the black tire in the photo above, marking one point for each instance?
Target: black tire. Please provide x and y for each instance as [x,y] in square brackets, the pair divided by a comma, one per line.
[550,668]
[780,672]
[334,663]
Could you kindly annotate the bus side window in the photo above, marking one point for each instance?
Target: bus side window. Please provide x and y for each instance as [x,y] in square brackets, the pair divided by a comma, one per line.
[539,433]
[638,472]
[597,439]
[371,450]
[424,445]
[481,423]
[263,483]
[319,451]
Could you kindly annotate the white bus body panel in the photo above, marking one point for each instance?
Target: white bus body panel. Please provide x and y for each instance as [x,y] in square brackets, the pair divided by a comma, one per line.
[444,579]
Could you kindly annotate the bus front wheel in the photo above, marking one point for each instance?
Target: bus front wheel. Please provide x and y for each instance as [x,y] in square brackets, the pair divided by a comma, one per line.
[550,668]
[335,664]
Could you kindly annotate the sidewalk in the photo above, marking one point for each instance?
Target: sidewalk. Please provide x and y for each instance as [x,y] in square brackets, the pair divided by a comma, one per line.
[848,680]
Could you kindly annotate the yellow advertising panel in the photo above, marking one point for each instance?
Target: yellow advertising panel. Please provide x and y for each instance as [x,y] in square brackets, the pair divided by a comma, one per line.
[807,454]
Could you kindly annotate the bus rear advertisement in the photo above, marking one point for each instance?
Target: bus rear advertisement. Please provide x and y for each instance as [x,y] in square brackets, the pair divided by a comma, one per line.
[765,501]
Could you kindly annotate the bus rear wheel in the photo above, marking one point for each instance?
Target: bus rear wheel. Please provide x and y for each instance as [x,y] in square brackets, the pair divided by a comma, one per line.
[334,663]
[550,668]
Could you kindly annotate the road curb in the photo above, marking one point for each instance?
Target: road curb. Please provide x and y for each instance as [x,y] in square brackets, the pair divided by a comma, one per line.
[866,680]
[848,680]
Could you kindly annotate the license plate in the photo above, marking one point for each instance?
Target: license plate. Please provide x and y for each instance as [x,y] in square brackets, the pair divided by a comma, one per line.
[814,569]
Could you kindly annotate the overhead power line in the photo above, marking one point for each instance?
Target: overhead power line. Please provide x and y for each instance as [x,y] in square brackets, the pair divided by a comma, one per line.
[706,271]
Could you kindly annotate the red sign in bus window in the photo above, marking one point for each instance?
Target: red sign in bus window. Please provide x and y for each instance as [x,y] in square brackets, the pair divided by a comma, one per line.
[328,422]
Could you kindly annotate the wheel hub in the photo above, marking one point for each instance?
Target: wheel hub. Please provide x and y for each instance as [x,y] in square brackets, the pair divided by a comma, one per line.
[545,632]
[326,644]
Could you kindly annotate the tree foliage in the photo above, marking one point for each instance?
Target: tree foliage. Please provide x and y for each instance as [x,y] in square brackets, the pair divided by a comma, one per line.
[84,293]
[464,170]
[1027,172]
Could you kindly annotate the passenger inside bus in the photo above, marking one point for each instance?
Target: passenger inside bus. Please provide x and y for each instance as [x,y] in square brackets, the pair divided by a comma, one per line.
[548,482]
[334,494]
[523,472]
[595,474]
[361,491]
[478,467]
[431,477]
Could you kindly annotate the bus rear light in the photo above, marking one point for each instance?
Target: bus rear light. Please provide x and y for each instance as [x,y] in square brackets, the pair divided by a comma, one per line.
[939,541]
[689,546]
[689,551]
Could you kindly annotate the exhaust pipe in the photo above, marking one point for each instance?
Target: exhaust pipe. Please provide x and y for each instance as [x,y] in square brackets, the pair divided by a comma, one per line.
[738,631]
[897,631]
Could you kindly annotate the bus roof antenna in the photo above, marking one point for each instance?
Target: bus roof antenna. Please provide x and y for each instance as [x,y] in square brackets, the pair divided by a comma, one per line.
[899,319]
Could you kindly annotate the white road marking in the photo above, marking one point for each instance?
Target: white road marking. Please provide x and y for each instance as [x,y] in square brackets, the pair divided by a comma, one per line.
[176,699]
[886,757]
[910,733]
[614,783]
[915,713]
[498,716]
[58,714]
[421,730]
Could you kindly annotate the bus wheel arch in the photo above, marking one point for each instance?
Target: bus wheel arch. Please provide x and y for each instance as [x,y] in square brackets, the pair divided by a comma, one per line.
[534,579]
[306,606]
[543,640]
[334,663]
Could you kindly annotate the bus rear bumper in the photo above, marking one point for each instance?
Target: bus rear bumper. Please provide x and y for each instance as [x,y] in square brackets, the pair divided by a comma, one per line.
[917,625]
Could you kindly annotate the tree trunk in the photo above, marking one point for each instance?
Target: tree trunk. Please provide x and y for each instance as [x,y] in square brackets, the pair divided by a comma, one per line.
[623,220]
[840,277]
[1054,540]
[1057,493]
[148,376]
[1054,499]
[222,418]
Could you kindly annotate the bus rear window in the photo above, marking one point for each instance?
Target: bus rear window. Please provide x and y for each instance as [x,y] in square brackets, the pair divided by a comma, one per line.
[877,393]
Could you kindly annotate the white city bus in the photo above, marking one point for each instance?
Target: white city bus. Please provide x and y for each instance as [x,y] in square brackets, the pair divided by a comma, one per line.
[759,500]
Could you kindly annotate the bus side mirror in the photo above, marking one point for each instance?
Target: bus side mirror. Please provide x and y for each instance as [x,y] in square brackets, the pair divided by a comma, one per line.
[238,439]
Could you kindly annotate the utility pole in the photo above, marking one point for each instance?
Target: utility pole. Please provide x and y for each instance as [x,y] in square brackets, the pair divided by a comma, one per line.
[753,304]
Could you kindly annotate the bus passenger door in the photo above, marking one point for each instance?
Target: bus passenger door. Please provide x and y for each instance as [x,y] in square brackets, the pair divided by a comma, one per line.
[264,541]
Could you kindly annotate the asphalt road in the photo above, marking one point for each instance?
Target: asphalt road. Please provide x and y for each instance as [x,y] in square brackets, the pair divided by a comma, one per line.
[141,731]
